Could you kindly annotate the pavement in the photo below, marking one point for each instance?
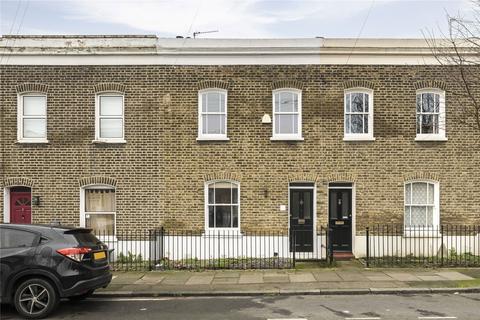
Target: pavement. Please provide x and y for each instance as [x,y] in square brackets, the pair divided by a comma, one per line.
[346,278]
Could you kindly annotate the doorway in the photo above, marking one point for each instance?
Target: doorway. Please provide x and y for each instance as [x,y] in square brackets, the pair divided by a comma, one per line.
[340,209]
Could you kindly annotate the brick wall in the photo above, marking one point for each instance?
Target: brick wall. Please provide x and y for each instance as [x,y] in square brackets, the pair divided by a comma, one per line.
[161,170]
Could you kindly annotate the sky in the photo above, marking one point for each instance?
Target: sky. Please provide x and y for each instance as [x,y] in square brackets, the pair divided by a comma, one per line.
[232,18]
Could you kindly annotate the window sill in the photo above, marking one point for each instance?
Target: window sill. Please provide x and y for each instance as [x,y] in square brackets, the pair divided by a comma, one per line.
[213,139]
[26,141]
[227,232]
[358,138]
[119,141]
[286,139]
[430,138]
[411,233]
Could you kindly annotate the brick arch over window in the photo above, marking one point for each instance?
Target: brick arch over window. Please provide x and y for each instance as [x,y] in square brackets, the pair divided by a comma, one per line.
[303,176]
[222,175]
[341,177]
[421,176]
[430,84]
[210,84]
[31,87]
[280,84]
[358,84]
[18,181]
[97,180]
[109,87]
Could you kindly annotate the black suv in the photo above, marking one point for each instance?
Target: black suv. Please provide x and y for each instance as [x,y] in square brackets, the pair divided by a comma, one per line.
[41,264]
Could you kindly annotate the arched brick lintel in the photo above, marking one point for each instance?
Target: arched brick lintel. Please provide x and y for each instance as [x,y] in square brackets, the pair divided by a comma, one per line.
[421,176]
[341,177]
[96,180]
[18,181]
[303,177]
[222,175]
[31,87]
[211,84]
[280,84]
[358,84]
[436,84]
[109,87]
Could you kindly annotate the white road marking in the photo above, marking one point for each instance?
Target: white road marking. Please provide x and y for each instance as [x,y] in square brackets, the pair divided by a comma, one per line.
[435,317]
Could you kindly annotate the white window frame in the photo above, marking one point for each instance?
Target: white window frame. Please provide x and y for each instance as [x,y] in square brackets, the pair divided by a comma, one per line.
[83,212]
[441,135]
[227,231]
[293,136]
[20,118]
[359,136]
[97,118]
[436,205]
[206,136]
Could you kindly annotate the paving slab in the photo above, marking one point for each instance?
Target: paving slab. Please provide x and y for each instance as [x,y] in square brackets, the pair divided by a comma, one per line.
[351,276]
[383,277]
[401,276]
[224,281]
[453,275]
[431,278]
[226,274]
[250,278]
[302,277]
[149,280]
[196,280]
[327,276]
[276,279]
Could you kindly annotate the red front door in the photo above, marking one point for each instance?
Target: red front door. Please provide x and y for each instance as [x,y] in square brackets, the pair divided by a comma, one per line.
[20,207]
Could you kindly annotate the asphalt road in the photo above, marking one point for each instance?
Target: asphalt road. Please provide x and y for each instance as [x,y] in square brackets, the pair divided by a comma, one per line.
[351,307]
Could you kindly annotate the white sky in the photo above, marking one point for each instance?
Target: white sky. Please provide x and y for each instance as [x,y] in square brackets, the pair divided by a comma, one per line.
[242,18]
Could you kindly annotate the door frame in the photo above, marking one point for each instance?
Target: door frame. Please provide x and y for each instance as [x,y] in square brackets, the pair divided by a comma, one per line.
[314,214]
[354,207]
[6,202]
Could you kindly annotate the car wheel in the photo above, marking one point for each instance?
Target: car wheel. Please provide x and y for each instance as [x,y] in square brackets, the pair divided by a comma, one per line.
[81,296]
[35,298]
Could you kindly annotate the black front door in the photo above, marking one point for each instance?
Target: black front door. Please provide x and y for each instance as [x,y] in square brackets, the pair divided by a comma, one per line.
[301,219]
[340,218]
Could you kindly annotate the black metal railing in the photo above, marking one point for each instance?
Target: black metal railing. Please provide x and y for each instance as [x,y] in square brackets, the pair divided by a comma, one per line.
[163,249]
[445,245]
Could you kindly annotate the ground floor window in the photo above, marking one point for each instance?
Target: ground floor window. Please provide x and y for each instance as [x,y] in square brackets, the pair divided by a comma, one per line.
[100,209]
[222,205]
[421,204]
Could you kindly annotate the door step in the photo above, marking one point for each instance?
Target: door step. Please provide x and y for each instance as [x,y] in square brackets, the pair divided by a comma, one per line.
[343,256]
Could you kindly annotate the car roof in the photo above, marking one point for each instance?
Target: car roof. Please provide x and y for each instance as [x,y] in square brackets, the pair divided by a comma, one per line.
[41,227]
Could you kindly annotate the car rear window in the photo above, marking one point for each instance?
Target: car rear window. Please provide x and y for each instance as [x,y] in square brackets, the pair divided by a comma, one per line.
[11,238]
[81,237]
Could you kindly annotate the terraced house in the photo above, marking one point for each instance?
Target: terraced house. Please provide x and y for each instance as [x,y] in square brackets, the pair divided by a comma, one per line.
[135,132]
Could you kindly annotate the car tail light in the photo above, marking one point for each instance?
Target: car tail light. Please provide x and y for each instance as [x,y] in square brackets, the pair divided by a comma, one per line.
[74,253]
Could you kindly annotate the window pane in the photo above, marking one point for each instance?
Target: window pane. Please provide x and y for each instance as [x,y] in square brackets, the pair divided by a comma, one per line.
[437,103]
[288,102]
[418,215]
[111,106]
[102,224]
[234,193]
[408,193]
[286,123]
[366,102]
[429,221]
[348,119]
[211,193]
[204,102]
[431,191]
[223,215]
[365,123]
[215,102]
[419,193]
[357,102]
[407,215]
[427,102]
[419,124]
[235,216]
[213,124]
[356,123]
[111,128]
[419,103]
[100,200]
[211,216]
[223,194]
[347,102]
[427,124]
[10,238]
[34,106]
[34,128]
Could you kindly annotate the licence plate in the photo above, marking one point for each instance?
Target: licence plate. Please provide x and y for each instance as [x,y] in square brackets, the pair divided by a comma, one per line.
[99,255]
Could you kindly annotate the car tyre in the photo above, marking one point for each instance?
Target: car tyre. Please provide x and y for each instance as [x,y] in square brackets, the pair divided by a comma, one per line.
[82,296]
[35,298]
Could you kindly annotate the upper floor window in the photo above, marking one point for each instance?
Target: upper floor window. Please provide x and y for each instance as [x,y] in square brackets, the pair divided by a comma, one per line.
[109,120]
[99,209]
[222,205]
[32,118]
[422,204]
[430,114]
[358,114]
[212,114]
[287,114]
